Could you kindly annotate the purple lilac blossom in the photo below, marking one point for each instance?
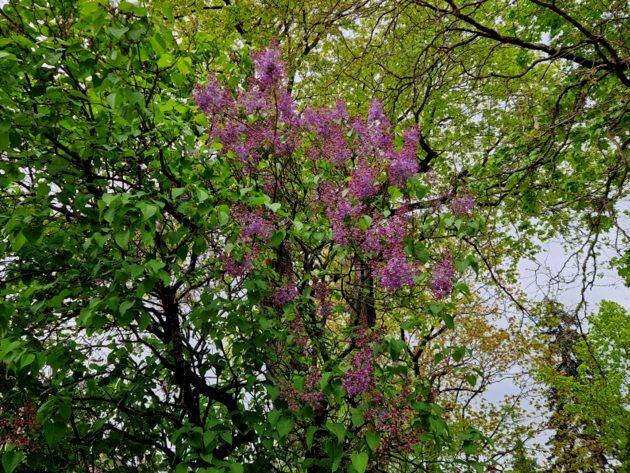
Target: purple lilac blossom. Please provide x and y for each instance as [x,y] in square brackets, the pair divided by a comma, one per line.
[343,233]
[359,377]
[385,234]
[257,226]
[268,66]
[378,133]
[284,295]
[397,272]
[214,98]
[330,141]
[322,295]
[405,165]
[442,276]
[463,204]
[234,268]
[362,181]
[311,394]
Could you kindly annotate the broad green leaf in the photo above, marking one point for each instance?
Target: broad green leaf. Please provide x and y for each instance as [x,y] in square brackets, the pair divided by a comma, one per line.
[11,459]
[372,438]
[338,429]
[148,210]
[277,237]
[359,461]
[122,238]
[284,426]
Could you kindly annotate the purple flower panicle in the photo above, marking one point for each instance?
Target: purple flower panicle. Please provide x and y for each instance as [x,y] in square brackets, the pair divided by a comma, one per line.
[463,204]
[358,378]
[442,276]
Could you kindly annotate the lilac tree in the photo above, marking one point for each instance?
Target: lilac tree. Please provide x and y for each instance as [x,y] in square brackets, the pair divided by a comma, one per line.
[340,244]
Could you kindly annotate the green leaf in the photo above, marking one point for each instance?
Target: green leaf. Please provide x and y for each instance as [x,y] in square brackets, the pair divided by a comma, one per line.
[336,455]
[122,239]
[168,11]
[148,210]
[224,217]
[112,100]
[227,437]
[202,195]
[277,237]
[177,192]
[236,468]
[357,417]
[338,429]
[310,434]
[325,379]
[181,468]
[4,134]
[155,265]
[166,60]
[372,438]
[394,192]
[100,239]
[125,306]
[118,31]
[364,222]
[284,426]
[11,460]
[54,431]
[18,241]
[436,307]
[274,207]
[448,321]
[359,461]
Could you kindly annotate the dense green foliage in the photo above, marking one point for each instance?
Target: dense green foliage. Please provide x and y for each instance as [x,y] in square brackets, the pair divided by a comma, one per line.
[169,305]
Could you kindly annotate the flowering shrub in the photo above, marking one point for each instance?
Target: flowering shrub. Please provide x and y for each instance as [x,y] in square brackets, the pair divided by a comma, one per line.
[330,212]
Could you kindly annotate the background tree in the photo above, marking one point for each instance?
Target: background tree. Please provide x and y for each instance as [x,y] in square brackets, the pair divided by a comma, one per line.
[587,393]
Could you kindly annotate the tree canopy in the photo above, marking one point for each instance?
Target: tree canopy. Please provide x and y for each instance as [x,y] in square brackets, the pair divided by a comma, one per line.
[251,236]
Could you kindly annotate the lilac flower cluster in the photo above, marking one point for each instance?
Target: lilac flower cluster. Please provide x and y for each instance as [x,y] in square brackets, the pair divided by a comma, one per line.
[396,272]
[262,121]
[257,226]
[385,234]
[463,204]
[362,181]
[442,276]
[391,418]
[284,295]
[235,268]
[358,378]
[392,269]
[268,66]
[214,98]
[322,295]
[254,223]
[266,97]
[343,220]
[19,428]
[404,165]
[296,328]
[310,395]
[327,125]
[378,132]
